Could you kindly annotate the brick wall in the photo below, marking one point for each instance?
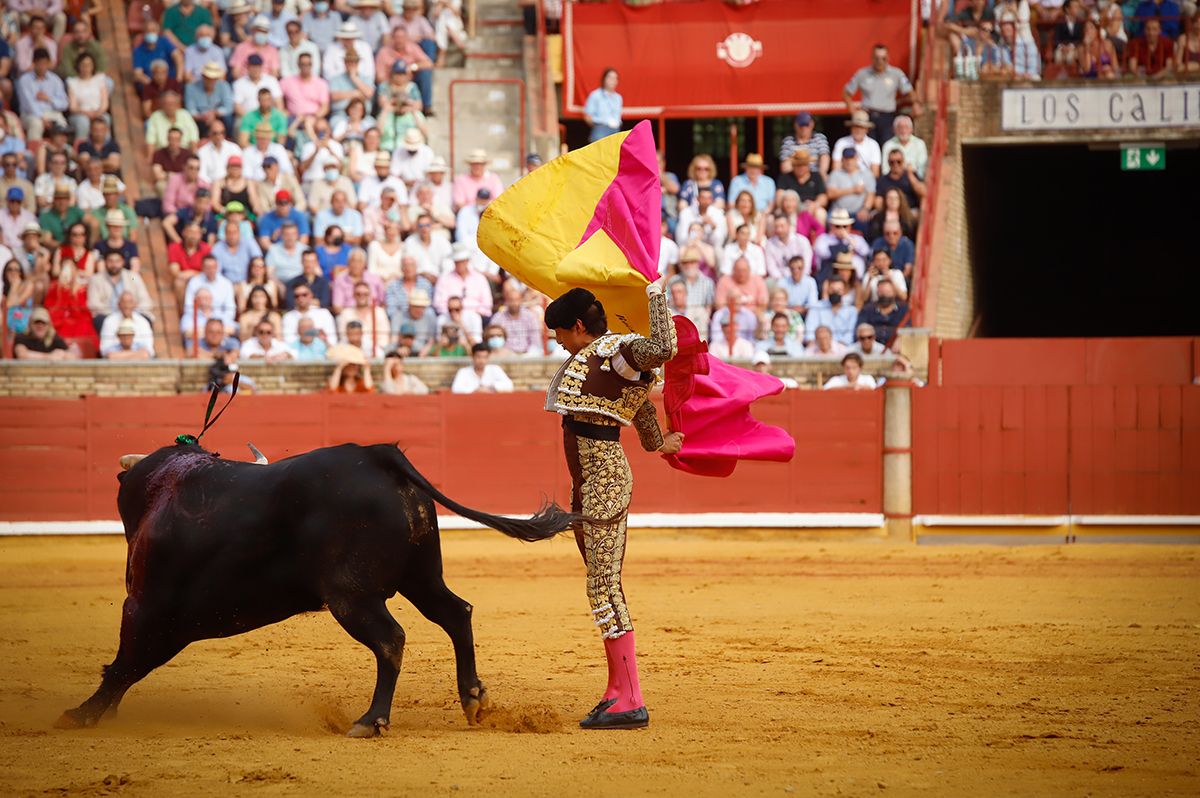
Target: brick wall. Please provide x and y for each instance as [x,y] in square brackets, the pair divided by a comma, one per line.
[975,117]
[64,380]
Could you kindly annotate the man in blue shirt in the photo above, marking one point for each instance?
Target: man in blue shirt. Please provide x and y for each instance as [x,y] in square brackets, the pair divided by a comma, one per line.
[340,214]
[839,316]
[1167,11]
[209,98]
[761,187]
[155,47]
[42,95]
[270,224]
[899,246]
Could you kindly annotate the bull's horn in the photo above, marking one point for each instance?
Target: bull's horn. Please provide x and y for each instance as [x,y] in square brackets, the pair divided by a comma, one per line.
[128,461]
[259,457]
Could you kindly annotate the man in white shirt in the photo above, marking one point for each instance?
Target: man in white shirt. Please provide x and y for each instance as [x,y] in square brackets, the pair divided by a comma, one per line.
[743,247]
[264,345]
[305,309]
[784,245]
[214,155]
[867,149]
[322,152]
[297,43]
[371,189]
[481,376]
[668,253]
[706,212]
[851,378]
[262,148]
[246,88]
[334,61]
[412,158]
[143,334]
[210,277]
[431,252]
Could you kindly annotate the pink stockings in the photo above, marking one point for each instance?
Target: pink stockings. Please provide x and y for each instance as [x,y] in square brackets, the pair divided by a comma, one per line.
[623,682]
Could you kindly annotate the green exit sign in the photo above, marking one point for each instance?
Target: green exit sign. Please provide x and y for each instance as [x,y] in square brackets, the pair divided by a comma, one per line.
[1142,159]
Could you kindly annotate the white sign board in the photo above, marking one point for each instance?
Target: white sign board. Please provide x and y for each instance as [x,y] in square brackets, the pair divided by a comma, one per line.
[1101,107]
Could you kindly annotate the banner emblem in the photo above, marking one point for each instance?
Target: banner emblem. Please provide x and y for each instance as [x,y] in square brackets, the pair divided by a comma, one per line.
[739,50]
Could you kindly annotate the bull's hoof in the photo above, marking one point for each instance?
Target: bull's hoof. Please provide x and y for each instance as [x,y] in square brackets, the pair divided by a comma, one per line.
[476,704]
[363,731]
[74,719]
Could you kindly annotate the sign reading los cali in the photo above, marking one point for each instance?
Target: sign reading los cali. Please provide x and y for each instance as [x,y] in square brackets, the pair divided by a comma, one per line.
[1100,107]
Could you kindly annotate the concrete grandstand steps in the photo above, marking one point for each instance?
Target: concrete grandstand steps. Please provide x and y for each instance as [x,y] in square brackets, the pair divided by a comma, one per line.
[484,115]
[129,132]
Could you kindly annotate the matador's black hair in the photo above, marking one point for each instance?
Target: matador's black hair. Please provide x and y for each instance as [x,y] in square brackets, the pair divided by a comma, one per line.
[578,304]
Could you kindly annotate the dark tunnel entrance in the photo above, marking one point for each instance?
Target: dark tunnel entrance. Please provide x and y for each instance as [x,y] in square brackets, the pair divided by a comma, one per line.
[1064,243]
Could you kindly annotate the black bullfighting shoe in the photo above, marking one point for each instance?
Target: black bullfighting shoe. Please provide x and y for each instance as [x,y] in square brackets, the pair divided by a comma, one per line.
[604,704]
[633,719]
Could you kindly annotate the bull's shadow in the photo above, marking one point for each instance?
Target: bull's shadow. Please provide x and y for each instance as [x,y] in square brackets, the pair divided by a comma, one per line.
[219,547]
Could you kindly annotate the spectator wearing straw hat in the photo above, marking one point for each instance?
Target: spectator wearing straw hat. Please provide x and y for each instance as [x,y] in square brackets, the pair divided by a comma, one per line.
[412,158]
[466,186]
[754,180]
[259,150]
[370,191]
[126,314]
[117,241]
[208,98]
[371,22]
[418,321]
[840,238]
[883,88]
[333,62]
[866,149]
[443,190]
[258,44]
[58,218]
[47,182]
[466,282]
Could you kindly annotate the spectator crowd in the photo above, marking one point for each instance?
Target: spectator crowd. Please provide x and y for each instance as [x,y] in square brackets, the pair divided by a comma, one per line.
[1105,39]
[307,216]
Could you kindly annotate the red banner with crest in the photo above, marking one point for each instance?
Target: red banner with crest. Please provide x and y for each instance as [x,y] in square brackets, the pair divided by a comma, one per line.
[712,58]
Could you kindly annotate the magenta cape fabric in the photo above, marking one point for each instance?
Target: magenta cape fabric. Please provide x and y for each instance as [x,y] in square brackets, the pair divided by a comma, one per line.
[709,402]
[630,210]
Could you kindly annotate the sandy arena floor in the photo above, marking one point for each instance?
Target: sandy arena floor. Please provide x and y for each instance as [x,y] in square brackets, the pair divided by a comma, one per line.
[771,666]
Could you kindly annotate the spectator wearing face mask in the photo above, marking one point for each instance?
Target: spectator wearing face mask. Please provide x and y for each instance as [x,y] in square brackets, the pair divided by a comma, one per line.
[884,314]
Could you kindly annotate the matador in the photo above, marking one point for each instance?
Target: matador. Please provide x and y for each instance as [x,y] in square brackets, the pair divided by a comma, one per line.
[602,387]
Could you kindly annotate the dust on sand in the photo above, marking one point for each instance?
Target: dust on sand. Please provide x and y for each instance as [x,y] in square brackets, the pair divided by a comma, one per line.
[771,666]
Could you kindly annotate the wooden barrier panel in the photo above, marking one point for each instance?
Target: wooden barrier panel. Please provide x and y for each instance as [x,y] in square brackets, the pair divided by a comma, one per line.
[502,453]
[1056,450]
[1065,361]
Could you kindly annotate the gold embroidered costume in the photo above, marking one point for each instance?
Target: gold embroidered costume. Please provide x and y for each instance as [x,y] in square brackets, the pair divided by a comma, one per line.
[602,388]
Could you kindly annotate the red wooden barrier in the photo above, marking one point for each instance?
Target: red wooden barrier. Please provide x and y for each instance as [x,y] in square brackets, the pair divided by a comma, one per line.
[1066,361]
[58,458]
[1056,450]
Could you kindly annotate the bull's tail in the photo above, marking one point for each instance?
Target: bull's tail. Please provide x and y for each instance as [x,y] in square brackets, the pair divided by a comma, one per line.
[542,525]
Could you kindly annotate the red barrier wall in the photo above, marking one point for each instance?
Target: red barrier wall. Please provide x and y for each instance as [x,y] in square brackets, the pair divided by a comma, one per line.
[1064,361]
[1056,450]
[58,458]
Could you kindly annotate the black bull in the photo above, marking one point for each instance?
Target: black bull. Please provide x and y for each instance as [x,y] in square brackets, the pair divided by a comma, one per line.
[218,547]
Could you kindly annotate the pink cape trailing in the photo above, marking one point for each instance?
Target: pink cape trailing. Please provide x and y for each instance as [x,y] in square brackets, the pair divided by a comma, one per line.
[709,402]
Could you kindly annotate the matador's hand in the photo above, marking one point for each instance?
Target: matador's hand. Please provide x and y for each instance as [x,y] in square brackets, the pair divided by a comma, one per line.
[672,443]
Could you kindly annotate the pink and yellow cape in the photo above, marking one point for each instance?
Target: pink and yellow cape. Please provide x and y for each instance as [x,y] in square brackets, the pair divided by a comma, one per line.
[592,218]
